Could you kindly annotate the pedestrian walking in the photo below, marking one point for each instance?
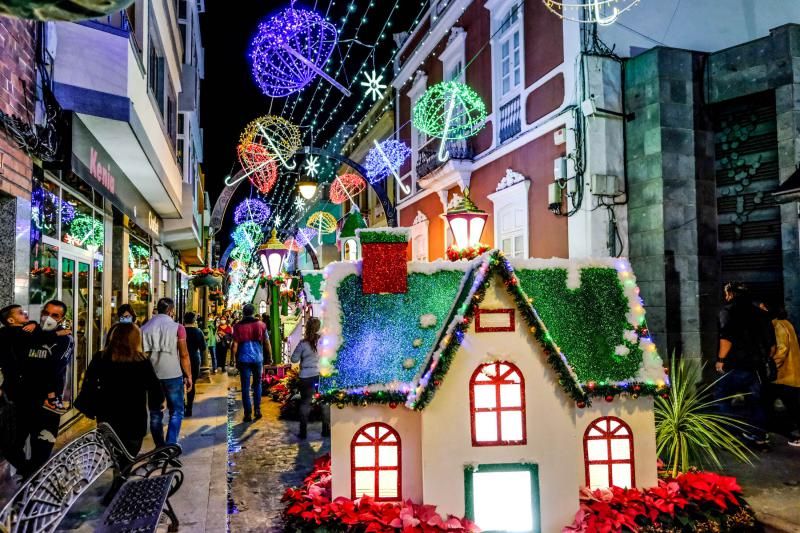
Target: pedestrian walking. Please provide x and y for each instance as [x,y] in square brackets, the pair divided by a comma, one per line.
[36,357]
[249,337]
[164,341]
[196,344]
[211,342]
[307,356]
[745,343]
[787,359]
[224,339]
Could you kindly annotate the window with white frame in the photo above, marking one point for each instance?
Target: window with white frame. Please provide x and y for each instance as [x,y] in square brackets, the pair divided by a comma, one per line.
[511,215]
[452,57]
[608,452]
[418,138]
[375,462]
[262,307]
[509,44]
[419,237]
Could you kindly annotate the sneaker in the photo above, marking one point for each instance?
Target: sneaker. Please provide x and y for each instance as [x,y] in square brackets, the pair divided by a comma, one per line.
[187,414]
[795,443]
[54,405]
[247,418]
[257,417]
[756,440]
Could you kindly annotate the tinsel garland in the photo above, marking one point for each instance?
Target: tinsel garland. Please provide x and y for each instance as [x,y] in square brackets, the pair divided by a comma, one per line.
[470,252]
[368,237]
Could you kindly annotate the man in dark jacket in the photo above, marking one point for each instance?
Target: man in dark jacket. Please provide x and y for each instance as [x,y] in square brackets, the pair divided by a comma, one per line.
[746,340]
[249,337]
[196,344]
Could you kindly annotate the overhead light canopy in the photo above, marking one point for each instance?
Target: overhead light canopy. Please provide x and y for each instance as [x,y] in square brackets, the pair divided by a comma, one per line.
[272,254]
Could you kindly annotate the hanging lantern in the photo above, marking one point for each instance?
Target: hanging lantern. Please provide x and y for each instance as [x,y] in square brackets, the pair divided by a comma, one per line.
[46,10]
[278,137]
[323,222]
[345,187]
[603,12]
[272,254]
[307,188]
[466,222]
[385,159]
[449,111]
[259,167]
[290,49]
[251,210]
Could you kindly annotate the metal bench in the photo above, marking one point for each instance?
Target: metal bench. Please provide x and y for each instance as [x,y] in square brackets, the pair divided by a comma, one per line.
[147,482]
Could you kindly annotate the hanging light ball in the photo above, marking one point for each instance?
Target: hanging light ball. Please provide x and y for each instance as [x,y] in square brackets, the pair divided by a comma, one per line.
[323,222]
[289,50]
[258,162]
[381,165]
[450,111]
[253,210]
[279,138]
[346,187]
[248,235]
[603,12]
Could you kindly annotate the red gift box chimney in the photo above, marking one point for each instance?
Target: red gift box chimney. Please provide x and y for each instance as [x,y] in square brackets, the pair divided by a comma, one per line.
[384,267]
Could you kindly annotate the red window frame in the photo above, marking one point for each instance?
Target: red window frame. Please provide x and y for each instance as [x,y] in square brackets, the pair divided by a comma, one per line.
[608,436]
[489,329]
[496,381]
[376,443]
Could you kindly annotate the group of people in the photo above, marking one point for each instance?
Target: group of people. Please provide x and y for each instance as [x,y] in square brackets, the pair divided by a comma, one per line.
[758,361]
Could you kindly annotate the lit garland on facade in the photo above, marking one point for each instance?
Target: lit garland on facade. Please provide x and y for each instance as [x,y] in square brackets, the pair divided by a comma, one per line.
[252,210]
[386,158]
[290,49]
[603,12]
[345,187]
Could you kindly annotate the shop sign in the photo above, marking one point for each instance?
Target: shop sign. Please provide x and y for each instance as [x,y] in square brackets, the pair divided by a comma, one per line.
[95,166]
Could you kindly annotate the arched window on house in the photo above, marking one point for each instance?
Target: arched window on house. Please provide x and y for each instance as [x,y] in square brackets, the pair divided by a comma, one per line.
[497,405]
[375,462]
[608,453]
[262,307]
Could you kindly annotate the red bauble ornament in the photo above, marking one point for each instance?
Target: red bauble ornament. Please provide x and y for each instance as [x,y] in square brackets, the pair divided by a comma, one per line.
[436,382]
[392,405]
[581,405]
[609,398]
[591,385]
[637,388]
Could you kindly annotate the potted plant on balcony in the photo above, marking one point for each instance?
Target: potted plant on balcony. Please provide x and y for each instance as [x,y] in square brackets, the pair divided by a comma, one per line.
[208,277]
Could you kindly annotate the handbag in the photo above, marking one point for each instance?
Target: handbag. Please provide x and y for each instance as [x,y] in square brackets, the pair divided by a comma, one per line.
[90,397]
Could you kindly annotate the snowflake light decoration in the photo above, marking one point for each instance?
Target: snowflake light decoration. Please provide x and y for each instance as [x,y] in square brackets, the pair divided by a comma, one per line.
[345,187]
[323,222]
[278,137]
[449,111]
[602,12]
[253,210]
[373,84]
[299,203]
[278,220]
[248,235]
[290,49]
[312,166]
[259,165]
[386,158]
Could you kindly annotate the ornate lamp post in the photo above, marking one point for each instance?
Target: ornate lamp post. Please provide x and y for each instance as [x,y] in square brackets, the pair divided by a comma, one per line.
[271,254]
[466,222]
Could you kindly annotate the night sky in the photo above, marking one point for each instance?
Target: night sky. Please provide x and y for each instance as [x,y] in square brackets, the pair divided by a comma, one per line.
[230,98]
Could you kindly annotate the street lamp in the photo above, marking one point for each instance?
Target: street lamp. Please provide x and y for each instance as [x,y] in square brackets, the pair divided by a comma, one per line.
[307,188]
[271,254]
[466,222]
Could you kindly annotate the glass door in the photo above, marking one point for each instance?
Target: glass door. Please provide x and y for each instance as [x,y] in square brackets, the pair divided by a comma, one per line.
[76,292]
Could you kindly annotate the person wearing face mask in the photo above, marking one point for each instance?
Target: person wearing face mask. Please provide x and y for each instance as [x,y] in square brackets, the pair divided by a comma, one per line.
[224,338]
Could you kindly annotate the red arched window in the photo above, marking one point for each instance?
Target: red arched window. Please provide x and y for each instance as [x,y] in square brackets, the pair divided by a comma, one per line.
[497,405]
[608,453]
[375,462]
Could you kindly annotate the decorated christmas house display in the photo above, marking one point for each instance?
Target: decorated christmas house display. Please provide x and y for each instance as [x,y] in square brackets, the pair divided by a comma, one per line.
[348,242]
[490,388]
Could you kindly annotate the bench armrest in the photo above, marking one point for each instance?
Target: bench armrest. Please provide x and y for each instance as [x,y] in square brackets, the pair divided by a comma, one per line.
[160,460]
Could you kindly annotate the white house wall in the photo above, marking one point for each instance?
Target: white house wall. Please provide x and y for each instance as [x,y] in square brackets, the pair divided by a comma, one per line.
[551,436]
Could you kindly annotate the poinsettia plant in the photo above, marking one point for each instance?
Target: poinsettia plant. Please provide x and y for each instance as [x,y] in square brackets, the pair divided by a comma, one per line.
[309,508]
[208,271]
[693,501]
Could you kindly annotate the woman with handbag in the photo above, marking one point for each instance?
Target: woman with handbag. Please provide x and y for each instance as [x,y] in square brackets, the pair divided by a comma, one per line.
[119,383]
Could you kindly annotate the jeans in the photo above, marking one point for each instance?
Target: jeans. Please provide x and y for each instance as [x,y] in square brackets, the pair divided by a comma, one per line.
[41,426]
[195,364]
[246,372]
[212,354]
[748,383]
[173,390]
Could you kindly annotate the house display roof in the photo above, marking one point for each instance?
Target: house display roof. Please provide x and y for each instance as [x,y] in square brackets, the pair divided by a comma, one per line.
[396,348]
[352,222]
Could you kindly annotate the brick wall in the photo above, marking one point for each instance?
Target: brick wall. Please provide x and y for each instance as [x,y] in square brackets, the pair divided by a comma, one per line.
[17,44]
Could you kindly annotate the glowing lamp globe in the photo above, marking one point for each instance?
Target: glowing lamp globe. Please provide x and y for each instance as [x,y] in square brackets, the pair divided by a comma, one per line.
[307,188]
[466,222]
[271,254]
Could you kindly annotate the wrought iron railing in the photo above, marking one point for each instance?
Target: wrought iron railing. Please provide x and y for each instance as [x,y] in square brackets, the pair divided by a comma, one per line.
[510,119]
[117,19]
[428,155]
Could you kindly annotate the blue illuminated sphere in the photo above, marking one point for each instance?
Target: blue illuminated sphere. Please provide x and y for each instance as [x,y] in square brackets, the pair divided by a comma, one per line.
[252,210]
[285,47]
[378,167]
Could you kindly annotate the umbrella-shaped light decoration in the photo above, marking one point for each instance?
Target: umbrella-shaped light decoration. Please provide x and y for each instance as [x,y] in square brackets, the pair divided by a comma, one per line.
[242,253]
[252,210]
[603,12]
[449,111]
[386,158]
[248,235]
[345,187]
[290,49]
[304,236]
[323,222]
[259,167]
[279,138]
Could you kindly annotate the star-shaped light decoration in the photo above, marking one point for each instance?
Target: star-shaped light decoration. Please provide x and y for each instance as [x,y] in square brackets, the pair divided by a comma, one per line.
[278,220]
[299,203]
[373,85]
[312,166]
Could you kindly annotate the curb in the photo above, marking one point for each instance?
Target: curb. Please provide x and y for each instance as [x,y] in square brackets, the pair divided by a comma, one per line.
[774,524]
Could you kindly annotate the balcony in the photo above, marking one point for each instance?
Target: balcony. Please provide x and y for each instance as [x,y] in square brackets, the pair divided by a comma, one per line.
[510,119]
[428,156]
[184,233]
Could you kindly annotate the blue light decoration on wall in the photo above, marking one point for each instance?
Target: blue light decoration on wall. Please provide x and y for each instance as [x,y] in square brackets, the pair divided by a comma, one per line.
[290,49]
[386,158]
[252,210]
